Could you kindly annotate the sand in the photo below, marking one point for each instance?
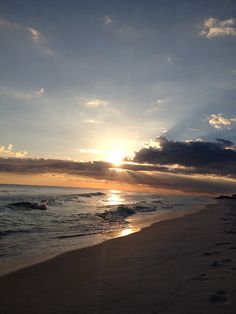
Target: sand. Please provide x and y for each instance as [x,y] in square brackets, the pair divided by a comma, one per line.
[183,265]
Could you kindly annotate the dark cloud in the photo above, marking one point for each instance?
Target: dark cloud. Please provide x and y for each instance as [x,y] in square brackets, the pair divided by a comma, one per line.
[224,143]
[201,157]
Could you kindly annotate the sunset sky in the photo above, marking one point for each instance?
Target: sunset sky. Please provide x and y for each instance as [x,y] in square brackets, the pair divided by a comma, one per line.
[85,83]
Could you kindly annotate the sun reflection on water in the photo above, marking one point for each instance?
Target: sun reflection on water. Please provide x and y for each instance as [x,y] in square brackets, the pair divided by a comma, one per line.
[114,198]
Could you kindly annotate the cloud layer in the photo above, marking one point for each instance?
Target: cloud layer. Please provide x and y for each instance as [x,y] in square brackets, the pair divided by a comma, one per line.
[136,175]
[192,167]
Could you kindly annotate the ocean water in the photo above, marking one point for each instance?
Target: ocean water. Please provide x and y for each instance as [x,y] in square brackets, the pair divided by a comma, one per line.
[38,222]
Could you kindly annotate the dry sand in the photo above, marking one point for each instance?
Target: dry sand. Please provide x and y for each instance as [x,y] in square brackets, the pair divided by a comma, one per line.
[184,265]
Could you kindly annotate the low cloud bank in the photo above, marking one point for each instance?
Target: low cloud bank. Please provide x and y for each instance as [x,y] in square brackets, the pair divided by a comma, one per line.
[187,162]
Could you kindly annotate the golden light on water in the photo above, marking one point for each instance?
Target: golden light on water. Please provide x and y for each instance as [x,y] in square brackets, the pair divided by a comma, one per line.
[126,232]
[114,198]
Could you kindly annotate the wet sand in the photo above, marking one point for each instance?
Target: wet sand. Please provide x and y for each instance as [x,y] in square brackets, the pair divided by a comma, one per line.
[183,265]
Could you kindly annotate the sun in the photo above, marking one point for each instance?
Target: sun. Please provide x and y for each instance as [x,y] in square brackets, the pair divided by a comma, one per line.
[116,157]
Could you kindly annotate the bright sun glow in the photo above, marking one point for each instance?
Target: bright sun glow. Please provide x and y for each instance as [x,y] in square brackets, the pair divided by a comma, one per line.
[126,232]
[116,157]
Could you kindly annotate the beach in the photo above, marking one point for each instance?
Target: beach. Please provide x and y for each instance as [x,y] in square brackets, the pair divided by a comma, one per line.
[182,265]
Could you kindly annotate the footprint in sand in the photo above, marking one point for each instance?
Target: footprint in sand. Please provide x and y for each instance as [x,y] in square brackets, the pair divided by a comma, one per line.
[222,263]
[200,277]
[215,264]
[227,260]
[222,243]
[210,253]
[207,253]
[220,297]
[230,231]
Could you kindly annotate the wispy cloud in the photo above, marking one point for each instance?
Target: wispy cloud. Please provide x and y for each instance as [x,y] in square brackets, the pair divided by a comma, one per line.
[122,30]
[169,60]
[39,40]
[8,24]
[96,102]
[127,31]
[15,93]
[89,151]
[213,27]
[10,152]
[157,105]
[21,94]
[40,91]
[36,36]
[160,101]
[107,20]
[218,121]
[92,121]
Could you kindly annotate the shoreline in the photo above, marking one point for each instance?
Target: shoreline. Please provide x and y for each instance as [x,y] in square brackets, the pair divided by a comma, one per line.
[138,226]
[177,265]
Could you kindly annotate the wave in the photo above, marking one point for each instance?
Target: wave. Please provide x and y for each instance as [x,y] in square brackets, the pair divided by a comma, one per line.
[157,202]
[123,211]
[146,209]
[75,235]
[29,205]
[168,206]
[91,194]
[10,232]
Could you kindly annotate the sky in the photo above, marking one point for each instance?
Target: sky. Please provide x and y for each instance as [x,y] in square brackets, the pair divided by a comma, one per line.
[85,83]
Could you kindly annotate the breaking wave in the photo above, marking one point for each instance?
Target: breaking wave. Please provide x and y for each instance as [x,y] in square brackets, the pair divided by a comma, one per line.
[9,232]
[91,194]
[29,205]
[123,211]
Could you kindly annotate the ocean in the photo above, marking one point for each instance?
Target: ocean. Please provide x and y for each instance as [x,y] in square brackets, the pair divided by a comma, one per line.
[38,222]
